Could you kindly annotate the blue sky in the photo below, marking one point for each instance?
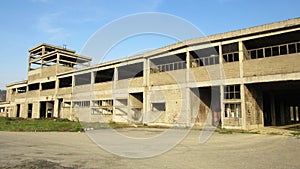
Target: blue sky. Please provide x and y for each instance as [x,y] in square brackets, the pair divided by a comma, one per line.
[27,23]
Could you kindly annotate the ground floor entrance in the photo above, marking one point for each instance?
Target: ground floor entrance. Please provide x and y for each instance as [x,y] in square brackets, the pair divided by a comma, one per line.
[46,109]
[281,102]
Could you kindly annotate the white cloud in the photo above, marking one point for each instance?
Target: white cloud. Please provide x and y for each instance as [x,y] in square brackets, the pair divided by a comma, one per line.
[49,24]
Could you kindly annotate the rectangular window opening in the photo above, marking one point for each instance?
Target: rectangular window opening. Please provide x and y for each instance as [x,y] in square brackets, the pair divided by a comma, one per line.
[292,48]
[22,89]
[159,106]
[65,82]
[232,92]
[48,85]
[35,86]
[233,110]
[83,79]
[29,111]
[283,50]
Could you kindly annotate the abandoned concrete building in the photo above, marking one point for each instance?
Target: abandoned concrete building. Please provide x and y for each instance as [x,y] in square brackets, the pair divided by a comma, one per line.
[243,79]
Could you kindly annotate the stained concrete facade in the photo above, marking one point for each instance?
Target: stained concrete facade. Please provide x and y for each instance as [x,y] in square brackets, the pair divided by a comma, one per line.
[242,79]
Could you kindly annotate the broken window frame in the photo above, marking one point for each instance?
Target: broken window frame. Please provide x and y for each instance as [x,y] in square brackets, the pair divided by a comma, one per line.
[81,104]
[276,50]
[231,57]
[233,110]
[205,61]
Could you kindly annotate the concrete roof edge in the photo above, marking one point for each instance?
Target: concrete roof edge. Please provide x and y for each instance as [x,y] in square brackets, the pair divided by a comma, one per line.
[17,83]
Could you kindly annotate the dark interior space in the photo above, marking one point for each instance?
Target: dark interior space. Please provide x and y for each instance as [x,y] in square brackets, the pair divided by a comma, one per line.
[65,82]
[29,115]
[130,71]
[43,110]
[48,85]
[210,101]
[273,40]
[46,109]
[281,101]
[204,57]
[35,86]
[18,110]
[83,79]
[104,75]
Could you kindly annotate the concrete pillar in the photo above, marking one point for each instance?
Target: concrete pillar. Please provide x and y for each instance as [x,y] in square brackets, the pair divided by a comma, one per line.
[220,53]
[55,109]
[23,112]
[114,88]
[42,63]
[241,58]
[188,91]
[93,76]
[145,84]
[73,81]
[43,50]
[188,60]
[242,87]
[222,105]
[36,109]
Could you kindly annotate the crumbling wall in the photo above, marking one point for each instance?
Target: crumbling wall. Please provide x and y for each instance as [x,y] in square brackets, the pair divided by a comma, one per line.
[174,111]
[254,107]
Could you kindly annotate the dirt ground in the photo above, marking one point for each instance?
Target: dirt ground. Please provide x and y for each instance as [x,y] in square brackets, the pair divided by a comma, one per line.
[76,150]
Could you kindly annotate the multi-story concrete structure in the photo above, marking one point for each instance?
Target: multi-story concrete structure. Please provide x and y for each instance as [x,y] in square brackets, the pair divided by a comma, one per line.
[244,79]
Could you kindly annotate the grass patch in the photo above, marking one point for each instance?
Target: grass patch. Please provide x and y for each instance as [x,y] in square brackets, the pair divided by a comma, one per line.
[274,133]
[223,131]
[295,133]
[231,131]
[296,128]
[20,124]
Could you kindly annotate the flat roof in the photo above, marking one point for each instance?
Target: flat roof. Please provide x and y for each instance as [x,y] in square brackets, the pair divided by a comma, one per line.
[50,46]
[286,24]
[17,83]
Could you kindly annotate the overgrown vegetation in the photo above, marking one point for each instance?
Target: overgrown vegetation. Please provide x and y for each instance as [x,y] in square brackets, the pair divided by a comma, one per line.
[20,124]
[231,131]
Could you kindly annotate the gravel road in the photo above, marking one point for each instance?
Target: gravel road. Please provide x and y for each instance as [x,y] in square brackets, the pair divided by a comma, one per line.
[76,150]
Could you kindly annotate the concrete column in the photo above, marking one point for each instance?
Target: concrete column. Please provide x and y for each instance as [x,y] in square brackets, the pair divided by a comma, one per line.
[243,107]
[187,90]
[73,81]
[93,76]
[114,88]
[42,63]
[145,84]
[43,50]
[242,87]
[55,109]
[115,76]
[29,64]
[188,60]
[220,53]
[57,62]
[23,113]
[222,104]
[36,109]
[241,58]
[146,70]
